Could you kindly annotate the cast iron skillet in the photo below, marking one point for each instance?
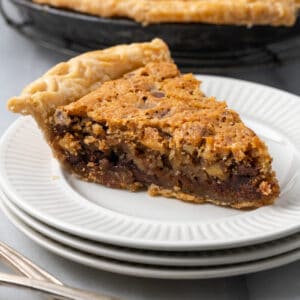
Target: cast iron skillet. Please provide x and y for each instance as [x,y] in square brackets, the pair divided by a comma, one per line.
[193,45]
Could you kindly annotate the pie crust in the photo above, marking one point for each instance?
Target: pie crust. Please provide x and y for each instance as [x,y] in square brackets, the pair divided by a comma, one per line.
[238,12]
[69,81]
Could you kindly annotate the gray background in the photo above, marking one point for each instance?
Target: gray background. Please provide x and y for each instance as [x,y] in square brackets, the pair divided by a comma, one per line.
[20,63]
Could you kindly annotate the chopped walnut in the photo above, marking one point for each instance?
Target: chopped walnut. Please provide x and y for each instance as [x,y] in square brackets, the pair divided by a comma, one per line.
[265,188]
[69,143]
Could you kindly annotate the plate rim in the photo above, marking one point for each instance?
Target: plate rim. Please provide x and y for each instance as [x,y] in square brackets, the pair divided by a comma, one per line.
[150,272]
[149,244]
[232,255]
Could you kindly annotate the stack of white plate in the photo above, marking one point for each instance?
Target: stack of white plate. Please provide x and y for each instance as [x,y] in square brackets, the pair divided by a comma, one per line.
[132,233]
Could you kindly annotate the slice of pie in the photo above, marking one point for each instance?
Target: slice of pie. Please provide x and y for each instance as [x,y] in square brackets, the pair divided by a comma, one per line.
[150,129]
[155,129]
[239,12]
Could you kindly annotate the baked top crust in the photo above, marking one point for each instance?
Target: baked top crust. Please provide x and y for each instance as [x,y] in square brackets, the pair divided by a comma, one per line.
[239,12]
[158,96]
[154,128]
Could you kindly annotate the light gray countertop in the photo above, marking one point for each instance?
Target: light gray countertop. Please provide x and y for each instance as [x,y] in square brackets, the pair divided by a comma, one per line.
[20,63]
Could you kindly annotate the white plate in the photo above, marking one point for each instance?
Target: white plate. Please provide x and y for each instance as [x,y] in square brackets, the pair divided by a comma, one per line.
[183,259]
[33,180]
[140,270]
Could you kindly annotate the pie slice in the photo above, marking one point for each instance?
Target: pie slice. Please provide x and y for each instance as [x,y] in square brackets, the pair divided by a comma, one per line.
[151,128]
[239,12]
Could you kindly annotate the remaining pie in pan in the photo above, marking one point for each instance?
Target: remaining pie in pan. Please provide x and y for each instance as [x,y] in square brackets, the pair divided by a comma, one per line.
[239,12]
[151,128]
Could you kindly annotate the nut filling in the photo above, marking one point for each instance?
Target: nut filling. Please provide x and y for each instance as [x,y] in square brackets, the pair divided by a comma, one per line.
[94,154]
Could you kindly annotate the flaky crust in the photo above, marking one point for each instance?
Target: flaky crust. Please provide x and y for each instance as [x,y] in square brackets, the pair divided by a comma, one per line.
[239,12]
[71,80]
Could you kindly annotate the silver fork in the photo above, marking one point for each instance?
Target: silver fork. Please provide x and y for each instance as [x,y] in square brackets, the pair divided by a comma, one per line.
[23,265]
[35,278]
[59,291]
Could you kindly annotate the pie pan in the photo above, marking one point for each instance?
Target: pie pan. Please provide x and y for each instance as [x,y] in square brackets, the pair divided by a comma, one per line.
[193,45]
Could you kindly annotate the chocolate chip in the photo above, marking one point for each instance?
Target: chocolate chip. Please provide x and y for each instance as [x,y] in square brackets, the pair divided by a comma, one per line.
[59,115]
[144,73]
[62,118]
[158,94]
[161,113]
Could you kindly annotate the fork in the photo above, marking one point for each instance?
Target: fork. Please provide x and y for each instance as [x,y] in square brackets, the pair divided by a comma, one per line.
[35,278]
[23,265]
[60,291]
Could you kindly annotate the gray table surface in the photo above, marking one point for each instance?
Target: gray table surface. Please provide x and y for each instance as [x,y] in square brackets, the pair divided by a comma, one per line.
[20,63]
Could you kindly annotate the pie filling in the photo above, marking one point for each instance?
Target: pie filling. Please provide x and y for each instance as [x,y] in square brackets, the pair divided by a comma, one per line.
[98,154]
